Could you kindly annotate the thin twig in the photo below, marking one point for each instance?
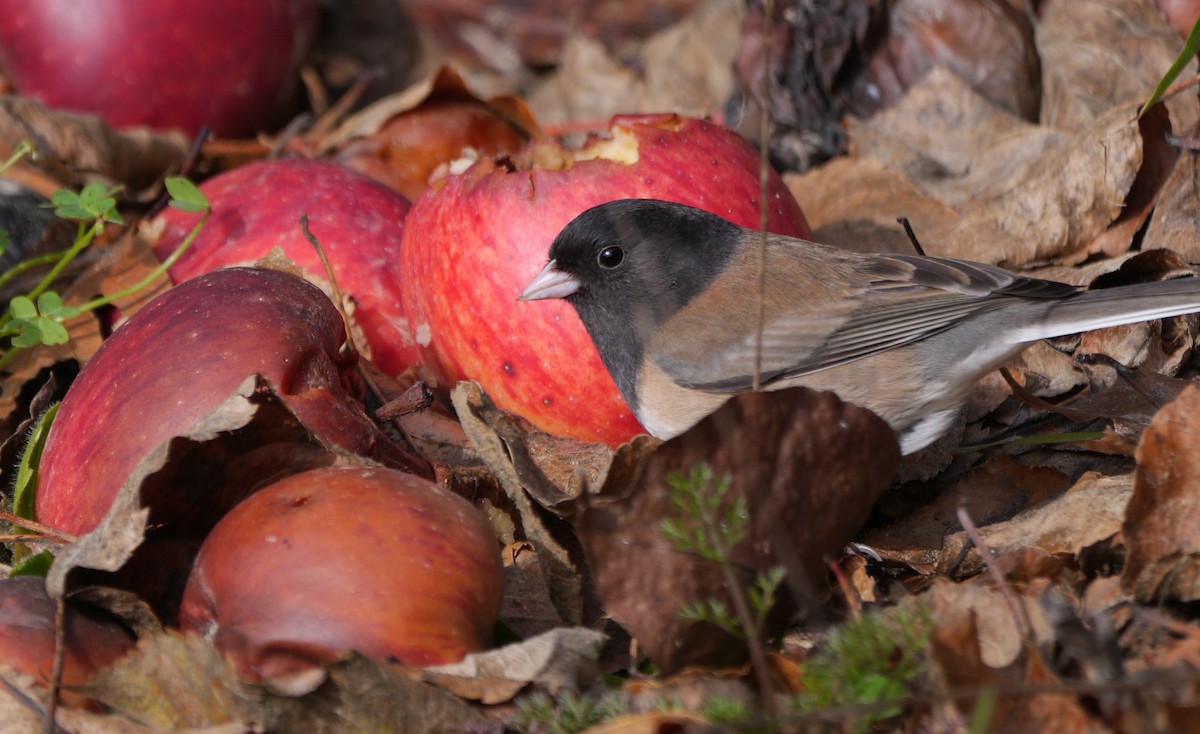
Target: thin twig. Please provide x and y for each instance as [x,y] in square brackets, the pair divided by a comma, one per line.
[1018,610]
[37,527]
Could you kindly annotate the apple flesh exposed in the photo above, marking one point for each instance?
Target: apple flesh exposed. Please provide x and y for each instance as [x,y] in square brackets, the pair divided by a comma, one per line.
[475,240]
[92,640]
[358,221]
[179,357]
[346,558]
[230,65]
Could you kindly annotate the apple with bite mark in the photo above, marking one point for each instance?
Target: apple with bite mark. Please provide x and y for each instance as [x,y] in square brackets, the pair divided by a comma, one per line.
[358,221]
[230,65]
[473,242]
[346,558]
[175,360]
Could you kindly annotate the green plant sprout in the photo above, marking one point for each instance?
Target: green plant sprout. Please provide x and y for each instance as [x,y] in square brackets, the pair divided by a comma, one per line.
[539,713]
[711,526]
[867,668]
[36,318]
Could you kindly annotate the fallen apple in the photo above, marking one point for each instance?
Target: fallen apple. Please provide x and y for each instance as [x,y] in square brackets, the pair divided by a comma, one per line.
[474,240]
[92,639]
[226,64]
[358,221]
[179,357]
[346,558]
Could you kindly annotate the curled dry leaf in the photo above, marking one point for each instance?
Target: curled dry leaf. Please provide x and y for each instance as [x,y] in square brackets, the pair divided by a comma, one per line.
[1101,54]
[1162,522]
[809,467]
[976,645]
[555,479]
[70,143]
[992,493]
[1026,194]
[1088,513]
[1175,223]
[686,68]
[562,660]
[188,481]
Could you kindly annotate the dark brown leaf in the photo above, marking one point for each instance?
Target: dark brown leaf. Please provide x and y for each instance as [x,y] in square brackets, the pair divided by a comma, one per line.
[809,466]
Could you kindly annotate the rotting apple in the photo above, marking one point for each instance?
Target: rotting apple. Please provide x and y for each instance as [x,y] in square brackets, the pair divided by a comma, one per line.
[473,241]
[417,144]
[230,65]
[358,221]
[179,357]
[92,639]
[346,558]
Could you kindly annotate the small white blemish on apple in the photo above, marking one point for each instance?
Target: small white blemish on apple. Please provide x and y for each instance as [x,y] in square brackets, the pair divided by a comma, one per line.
[424,335]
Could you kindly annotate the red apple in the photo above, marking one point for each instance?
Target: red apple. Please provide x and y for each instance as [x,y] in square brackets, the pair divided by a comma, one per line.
[359,222]
[473,242]
[179,357]
[346,558]
[228,64]
[92,639]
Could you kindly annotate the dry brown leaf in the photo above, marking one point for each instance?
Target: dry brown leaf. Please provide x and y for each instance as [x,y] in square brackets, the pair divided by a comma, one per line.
[1175,223]
[1098,55]
[854,203]
[527,608]
[1088,513]
[992,493]
[686,68]
[72,147]
[562,660]
[555,479]
[809,467]
[1162,523]
[653,723]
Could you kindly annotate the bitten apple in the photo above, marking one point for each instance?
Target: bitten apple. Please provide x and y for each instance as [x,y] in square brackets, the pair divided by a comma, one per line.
[358,221]
[346,558]
[473,242]
[178,358]
[230,65]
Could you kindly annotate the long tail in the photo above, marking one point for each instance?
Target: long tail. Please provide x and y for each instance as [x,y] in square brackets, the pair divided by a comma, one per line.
[1103,307]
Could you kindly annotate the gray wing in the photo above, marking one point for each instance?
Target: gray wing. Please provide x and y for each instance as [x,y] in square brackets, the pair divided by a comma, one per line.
[872,304]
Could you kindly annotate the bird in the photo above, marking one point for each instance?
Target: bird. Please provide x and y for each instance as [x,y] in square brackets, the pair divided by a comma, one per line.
[670,294]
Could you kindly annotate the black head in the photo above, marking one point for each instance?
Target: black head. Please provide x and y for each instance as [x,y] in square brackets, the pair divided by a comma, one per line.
[637,262]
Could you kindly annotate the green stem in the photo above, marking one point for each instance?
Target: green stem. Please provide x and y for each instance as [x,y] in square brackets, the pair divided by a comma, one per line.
[162,268]
[84,239]
[29,264]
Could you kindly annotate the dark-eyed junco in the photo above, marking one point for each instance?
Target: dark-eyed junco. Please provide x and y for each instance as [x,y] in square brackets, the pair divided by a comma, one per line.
[669,295]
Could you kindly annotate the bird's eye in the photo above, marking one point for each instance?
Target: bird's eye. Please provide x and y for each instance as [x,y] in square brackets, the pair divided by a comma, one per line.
[610,257]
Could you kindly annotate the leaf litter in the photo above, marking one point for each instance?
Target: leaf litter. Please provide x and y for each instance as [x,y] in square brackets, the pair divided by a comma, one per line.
[1065,604]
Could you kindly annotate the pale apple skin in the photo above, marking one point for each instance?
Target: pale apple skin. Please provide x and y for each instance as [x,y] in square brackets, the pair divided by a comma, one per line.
[231,65]
[346,558]
[473,242]
[92,640]
[178,358]
[358,221]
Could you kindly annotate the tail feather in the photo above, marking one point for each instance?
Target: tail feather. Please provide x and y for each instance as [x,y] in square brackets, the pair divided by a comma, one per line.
[1097,309]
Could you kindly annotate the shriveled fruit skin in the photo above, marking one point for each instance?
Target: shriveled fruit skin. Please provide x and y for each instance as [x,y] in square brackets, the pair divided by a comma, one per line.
[230,65]
[358,221]
[92,640]
[475,240]
[178,358]
[346,558]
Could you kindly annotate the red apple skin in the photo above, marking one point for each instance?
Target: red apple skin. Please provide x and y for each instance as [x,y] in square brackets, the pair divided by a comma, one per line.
[228,64]
[358,221]
[92,639]
[179,357]
[474,243]
[346,558]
